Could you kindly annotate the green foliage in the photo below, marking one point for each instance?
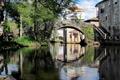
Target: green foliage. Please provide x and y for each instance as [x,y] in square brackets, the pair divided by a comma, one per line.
[10,25]
[46,14]
[20,9]
[89,32]
[89,56]
[29,12]
[25,10]
[26,50]
[56,6]
[26,41]
[39,14]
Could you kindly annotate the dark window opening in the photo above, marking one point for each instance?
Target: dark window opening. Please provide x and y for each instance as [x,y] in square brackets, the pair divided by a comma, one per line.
[109,28]
[106,17]
[101,10]
[115,2]
[117,37]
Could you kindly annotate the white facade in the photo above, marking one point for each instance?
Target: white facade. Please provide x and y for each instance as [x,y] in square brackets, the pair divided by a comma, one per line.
[69,15]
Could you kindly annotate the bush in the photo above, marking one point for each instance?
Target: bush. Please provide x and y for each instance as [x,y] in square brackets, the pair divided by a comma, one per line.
[26,41]
[89,32]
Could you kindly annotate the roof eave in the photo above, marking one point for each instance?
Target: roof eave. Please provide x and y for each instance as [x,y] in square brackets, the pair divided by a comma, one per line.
[100,2]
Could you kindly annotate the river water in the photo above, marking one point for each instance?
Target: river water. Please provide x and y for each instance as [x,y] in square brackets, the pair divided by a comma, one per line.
[61,62]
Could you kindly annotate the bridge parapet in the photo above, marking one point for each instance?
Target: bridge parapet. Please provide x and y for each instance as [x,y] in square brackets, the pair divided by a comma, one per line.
[63,23]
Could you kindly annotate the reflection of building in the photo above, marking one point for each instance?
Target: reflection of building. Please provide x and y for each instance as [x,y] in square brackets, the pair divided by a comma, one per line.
[109,62]
[70,52]
[9,65]
[73,72]
[73,62]
[74,51]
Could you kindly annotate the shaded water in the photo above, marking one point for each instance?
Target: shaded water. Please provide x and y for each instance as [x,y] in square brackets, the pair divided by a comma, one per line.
[61,62]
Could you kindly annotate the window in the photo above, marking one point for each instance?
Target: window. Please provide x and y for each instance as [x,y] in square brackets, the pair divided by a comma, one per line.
[106,17]
[109,28]
[117,37]
[101,10]
[115,1]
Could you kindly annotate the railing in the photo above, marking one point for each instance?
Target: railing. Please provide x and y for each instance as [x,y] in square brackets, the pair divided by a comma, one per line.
[101,32]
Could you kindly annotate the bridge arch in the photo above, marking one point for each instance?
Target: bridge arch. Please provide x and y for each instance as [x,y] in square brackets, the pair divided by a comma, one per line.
[72,27]
[81,35]
[58,36]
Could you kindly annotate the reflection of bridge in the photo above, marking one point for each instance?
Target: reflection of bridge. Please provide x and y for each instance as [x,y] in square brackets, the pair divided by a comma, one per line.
[65,25]
[67,53]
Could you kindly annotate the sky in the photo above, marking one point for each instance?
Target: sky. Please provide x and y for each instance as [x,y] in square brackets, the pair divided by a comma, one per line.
[89,8]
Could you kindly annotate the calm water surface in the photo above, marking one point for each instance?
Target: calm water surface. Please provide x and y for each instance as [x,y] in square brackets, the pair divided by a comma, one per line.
[61,62]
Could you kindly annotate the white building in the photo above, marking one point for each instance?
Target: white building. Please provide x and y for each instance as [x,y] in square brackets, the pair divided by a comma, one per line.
[71,13]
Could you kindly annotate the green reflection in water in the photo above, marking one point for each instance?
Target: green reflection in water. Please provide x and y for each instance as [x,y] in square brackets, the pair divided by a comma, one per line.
[38,65]
[89,55]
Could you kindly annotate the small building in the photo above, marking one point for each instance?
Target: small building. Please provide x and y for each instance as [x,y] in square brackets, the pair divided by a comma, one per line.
[73,12]
[109,17]
[73,36]
[93,21]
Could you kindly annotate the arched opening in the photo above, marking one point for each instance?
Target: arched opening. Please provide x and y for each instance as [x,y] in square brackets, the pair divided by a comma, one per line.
[70,34]
[72,28]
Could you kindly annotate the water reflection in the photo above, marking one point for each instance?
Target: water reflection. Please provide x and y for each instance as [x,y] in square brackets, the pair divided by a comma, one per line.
[67,52]
[56,62]
[109,61]
[74,63]
[9,65]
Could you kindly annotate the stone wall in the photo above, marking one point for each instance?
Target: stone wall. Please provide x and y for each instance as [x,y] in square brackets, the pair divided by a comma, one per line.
[109,17]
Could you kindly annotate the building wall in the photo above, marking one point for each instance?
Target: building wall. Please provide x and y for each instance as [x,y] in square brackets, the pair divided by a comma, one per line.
[73,36]
[102,13]
[95,23]
[109,17]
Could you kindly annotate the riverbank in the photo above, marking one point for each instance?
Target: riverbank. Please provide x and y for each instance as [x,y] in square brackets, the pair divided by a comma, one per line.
[93,43]
[19,43]
[9,45]
[27,42]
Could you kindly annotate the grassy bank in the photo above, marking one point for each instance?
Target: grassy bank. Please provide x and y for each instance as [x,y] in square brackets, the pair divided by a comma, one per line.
[26,41]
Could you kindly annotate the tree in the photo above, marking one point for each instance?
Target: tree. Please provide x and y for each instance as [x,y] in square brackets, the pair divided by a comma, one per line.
[21,13]
[39,14]
[56,6]
[48,11]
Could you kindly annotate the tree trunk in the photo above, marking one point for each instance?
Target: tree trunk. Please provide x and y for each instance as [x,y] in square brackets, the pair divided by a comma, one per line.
[20,27]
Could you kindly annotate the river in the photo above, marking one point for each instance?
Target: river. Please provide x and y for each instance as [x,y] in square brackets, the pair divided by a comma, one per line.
[61,62]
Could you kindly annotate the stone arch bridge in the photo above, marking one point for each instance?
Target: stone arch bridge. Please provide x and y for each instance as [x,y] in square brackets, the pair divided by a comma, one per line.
[66,25]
